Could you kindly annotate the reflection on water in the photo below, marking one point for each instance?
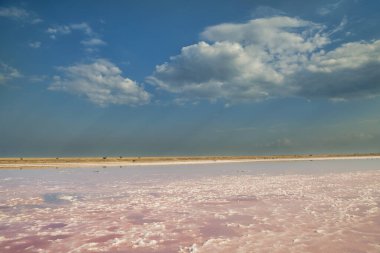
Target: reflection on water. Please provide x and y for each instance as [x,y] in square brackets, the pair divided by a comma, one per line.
[302,206]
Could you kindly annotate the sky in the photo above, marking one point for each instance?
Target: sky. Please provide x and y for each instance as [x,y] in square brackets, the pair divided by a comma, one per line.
[164,78]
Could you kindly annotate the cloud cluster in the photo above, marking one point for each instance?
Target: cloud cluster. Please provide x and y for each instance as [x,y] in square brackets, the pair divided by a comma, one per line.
[270,57]
[8,73]
[67,29]
[19,14]
[349,71]
[266,57]
[101,82]
[91,41]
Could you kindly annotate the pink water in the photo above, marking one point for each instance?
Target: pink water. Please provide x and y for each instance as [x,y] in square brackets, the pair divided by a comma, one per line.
[319,206]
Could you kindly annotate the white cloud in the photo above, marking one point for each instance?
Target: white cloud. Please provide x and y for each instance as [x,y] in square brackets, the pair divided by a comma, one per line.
[101,82]
[270,57]
[221,70]
[84,27]
[67,29]
[19,14]
[241,61]
[13,12]
[59,30]
[8,73]
[277,34]
[349,71]
[348,56]
[35,44]
[93,42]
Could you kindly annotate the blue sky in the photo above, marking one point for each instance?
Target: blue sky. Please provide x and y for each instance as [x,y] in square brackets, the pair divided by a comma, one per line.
[81,78]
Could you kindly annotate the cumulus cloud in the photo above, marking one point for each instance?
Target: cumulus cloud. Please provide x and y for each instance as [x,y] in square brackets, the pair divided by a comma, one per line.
[221,70]
[349,71]
[19,14]
[270,57]
[8,73]
[241,61]
[101,82]
[277,34]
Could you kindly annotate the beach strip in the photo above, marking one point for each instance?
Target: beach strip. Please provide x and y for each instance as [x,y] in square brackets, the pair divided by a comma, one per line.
[85,162]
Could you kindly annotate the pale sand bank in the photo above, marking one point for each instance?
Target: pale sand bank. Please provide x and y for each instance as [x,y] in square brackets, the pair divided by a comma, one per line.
[35,163]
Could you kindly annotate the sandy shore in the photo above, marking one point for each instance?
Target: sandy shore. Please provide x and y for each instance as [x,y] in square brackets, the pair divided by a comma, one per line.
[34,163]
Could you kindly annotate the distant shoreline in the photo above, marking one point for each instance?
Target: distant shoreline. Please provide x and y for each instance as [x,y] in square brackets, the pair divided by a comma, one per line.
[83,162]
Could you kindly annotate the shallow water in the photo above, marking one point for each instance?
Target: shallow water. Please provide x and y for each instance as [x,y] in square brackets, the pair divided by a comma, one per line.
[292,206]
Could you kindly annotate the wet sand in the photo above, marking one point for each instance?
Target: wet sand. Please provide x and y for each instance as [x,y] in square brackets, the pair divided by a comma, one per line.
[293,206]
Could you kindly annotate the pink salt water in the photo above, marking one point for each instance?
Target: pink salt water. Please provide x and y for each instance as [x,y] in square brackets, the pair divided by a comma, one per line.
[298,206]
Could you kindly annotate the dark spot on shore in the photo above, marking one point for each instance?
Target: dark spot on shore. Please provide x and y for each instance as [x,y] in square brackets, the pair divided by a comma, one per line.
[241,198]
[54,198]
[104,238]
[55,225]
[58,198]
